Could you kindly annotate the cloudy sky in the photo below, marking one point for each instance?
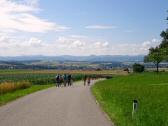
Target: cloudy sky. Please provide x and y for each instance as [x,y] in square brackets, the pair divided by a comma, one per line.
[80,27]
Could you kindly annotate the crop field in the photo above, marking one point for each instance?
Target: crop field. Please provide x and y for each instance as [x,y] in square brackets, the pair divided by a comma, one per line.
[40,77]
[37,78]
[17,83]
[150,89]
[102,72]
[13,83]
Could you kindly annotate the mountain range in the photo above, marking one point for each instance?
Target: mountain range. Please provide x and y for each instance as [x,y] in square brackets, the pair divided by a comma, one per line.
[91,58]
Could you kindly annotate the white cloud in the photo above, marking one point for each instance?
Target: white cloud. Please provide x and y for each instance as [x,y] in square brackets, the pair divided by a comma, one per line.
[10,46]
[67,45]
[101,45]
[31,2]
[20,16]
[100,27]
[133,49]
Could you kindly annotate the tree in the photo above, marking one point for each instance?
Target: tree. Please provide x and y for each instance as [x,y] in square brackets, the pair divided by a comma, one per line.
[156,56]
[164,35]
[164,45]
[159,53]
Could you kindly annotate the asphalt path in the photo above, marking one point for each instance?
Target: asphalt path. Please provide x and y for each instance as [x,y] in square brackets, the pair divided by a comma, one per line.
[64,106]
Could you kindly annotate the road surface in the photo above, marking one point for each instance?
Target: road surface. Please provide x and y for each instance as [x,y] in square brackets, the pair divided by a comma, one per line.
[64,106]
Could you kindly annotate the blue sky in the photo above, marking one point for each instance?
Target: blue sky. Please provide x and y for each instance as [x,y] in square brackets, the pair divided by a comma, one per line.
[82,27]
[145,18]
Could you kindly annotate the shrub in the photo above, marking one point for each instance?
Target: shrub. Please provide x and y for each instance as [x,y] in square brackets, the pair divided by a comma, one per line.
[23,85]
[6,87]
[138,68]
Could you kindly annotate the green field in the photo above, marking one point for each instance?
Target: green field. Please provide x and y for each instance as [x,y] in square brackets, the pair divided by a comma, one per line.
[150,89]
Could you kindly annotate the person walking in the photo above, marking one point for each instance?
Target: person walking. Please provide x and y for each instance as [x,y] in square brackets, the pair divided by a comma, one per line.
[84,79]
[69,80]
[88,80]
[60,80]
[57,79]
[65,80]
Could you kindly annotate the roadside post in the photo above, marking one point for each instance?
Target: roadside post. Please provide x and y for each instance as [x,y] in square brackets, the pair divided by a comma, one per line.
[135,107]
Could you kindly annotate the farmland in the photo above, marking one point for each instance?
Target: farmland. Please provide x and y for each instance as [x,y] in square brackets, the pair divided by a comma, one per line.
[39,79]
[150,89]
[17,83]
[102,72]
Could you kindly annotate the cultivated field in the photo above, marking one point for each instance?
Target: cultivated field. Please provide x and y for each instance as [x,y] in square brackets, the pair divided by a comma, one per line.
[102,72]
[150,89]
[40,77]
[17,83]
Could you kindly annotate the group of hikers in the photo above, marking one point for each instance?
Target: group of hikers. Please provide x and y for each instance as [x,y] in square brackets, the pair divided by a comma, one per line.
[66,80]
[63,79]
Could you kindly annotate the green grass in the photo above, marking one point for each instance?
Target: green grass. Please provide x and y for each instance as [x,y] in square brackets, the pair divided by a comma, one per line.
[150,89]
[5,98]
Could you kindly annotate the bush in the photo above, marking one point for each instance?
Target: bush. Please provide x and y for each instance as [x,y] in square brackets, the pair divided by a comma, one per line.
[138,68]
[6,87]
[23,85]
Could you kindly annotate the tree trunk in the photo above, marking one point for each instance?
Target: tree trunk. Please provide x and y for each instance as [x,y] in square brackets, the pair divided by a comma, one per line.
[157,67]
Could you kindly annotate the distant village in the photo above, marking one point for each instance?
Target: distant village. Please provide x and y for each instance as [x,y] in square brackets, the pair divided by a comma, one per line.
[70,65]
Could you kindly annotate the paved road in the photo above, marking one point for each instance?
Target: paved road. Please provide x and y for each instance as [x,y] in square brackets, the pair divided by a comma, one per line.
[70,106]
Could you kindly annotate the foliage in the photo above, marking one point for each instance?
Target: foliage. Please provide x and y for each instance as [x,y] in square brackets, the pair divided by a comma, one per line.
[159,53]
[150,89]
[11,86]
[138,68]
[156,55]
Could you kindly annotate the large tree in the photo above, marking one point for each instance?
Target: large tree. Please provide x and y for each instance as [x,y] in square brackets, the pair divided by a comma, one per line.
[156,56]
[159,53]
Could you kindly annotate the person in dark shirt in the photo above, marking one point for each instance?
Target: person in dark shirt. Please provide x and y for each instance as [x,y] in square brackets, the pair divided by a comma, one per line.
[69,80]
[65,80]
[84,79]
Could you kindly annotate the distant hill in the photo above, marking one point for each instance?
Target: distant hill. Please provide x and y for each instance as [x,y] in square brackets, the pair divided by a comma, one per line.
[91,58]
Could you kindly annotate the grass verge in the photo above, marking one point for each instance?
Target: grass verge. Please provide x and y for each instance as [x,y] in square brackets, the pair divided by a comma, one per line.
[150,89]
[5,98]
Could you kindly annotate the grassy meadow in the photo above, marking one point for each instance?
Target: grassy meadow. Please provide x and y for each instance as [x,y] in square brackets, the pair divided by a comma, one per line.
[150,89]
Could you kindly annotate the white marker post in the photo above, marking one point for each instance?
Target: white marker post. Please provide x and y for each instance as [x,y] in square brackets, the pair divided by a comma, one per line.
[135,107]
